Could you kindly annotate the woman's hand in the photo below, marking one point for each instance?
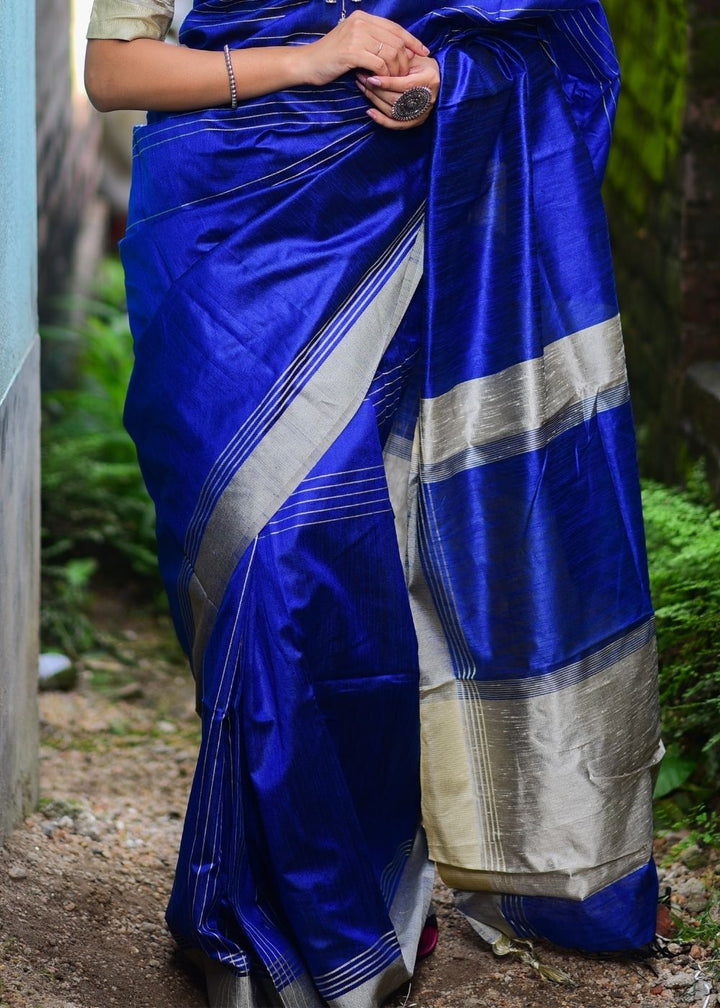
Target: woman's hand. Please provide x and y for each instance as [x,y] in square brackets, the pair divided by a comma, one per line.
[360,41]
[384,90]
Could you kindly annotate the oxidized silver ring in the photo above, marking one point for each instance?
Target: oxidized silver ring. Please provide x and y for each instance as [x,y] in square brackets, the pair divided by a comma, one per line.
[411,104]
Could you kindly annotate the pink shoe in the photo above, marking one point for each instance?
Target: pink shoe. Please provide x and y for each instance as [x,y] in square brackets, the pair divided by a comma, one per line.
[428,937]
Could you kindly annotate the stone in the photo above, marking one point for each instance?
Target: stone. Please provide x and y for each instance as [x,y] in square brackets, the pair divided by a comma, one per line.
[694,857]
[87,825]
[694,894]
[16,871]
[672,981]
[56,672]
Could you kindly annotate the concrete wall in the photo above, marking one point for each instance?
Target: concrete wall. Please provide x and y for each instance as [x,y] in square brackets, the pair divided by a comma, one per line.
[19,420]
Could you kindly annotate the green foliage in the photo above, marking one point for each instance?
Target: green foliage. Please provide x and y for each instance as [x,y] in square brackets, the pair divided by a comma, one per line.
[65,589]
[683,536]
[97,514]
[675,770]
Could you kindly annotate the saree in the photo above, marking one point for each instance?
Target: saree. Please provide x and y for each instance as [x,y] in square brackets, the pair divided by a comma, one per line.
[380,402]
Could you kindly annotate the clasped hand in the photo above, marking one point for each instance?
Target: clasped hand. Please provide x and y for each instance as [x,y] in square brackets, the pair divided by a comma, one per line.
[387,58]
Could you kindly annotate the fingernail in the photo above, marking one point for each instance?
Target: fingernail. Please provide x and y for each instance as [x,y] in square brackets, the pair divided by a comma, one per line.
[375,81]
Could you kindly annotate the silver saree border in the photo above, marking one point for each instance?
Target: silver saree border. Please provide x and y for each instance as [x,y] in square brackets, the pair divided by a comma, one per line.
[298,439]
[487,784]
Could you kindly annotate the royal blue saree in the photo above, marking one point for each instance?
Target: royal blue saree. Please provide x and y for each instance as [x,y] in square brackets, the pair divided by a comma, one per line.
[380,402]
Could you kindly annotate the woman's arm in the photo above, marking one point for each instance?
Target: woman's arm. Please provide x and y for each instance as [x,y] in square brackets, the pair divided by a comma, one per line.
[148,74]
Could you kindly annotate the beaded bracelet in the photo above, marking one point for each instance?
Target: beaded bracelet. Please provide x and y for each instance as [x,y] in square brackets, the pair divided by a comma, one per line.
[231,78]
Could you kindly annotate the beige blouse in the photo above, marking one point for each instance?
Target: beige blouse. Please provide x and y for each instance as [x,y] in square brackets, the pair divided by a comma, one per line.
[130,19]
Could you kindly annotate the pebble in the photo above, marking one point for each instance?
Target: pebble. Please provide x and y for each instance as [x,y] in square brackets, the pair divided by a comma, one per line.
[675,980]
[700,990]
[56,672]
[695,894]
[17,871]
[87,825]
[694,857]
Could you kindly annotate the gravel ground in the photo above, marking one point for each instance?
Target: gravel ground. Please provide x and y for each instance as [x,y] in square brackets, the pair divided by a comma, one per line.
[84,880]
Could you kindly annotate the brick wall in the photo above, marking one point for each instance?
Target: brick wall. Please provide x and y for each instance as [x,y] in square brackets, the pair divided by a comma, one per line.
[662,192]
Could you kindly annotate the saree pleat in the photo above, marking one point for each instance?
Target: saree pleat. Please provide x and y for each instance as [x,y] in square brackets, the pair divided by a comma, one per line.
[380,402]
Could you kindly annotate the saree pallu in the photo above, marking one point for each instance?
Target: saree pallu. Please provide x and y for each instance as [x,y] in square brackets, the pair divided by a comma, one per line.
[380,402]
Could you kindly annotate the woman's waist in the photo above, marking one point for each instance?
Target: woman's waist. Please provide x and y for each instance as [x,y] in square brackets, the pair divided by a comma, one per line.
[302,110]
[277,143]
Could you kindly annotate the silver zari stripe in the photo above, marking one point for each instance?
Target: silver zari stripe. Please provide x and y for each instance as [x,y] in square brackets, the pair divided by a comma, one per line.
[296,441]
[593,784]
[498,689]
[526,405]
[407,914]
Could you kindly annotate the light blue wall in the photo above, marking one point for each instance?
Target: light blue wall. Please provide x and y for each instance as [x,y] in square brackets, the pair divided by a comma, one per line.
[19,418]
[17,189]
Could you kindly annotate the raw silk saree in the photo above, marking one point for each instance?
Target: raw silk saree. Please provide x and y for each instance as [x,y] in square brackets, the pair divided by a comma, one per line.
[380,402]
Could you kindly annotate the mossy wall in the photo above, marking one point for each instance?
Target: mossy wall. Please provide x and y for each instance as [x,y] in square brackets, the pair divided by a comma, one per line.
[663,198]
[644,197]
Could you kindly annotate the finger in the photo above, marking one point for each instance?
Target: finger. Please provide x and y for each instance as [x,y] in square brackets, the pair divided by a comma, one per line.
[382,101]
[394,57]
[386,83]
[412,43]
[402,35]
[387,97]
[388,122]
[400,84]
[395,61]
[374,60]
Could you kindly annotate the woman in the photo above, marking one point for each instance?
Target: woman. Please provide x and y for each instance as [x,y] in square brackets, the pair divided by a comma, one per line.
[372,301]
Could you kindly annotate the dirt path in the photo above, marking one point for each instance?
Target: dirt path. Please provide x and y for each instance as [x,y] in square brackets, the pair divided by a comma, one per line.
[84,881]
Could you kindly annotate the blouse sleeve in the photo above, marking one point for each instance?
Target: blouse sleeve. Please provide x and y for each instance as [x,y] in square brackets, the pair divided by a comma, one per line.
[130,19]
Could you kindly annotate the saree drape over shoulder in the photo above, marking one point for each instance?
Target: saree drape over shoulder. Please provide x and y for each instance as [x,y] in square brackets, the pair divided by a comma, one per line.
[380,401]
